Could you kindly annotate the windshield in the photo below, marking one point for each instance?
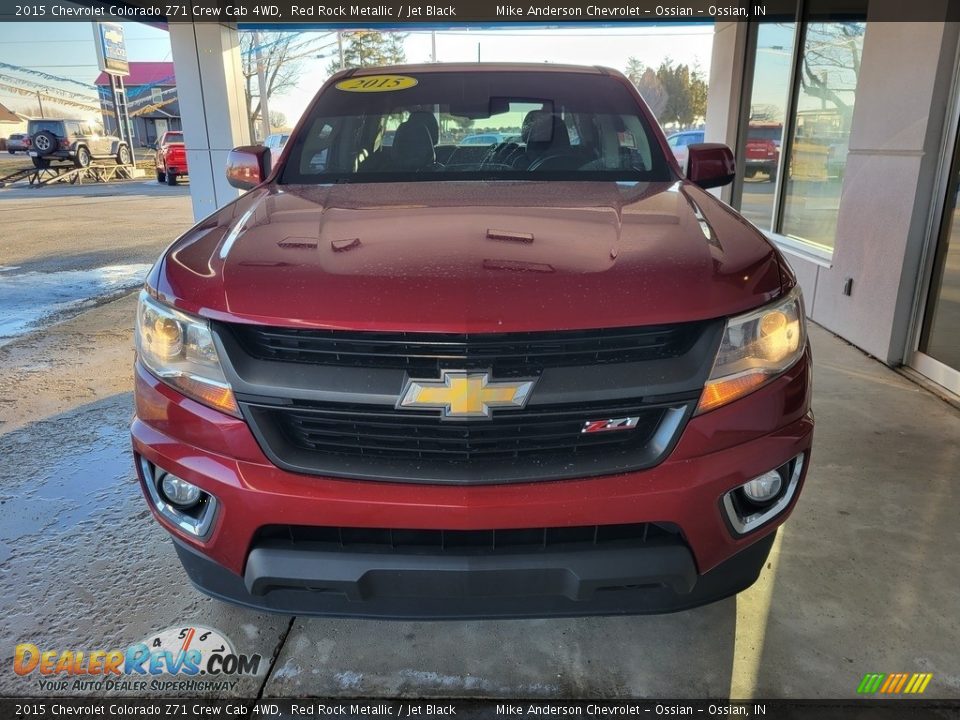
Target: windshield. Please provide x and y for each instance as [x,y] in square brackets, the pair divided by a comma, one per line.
[764,133]
[173,137]
[53,126]
[483,125]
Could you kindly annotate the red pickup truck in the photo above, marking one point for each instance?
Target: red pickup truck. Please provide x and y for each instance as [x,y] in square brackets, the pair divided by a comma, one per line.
[171,157]
[763,149]
[547,376]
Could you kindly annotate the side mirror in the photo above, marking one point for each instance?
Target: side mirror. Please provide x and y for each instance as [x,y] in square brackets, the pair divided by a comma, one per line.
[248,166]
[710,165]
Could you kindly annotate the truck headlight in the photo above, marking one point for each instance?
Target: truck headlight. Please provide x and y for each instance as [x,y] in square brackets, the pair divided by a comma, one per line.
[757,347]
[179,349]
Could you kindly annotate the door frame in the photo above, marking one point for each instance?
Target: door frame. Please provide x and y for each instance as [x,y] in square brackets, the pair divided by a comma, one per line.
[937,223]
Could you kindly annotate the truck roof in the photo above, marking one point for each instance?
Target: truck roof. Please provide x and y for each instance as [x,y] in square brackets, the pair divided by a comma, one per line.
[476,67]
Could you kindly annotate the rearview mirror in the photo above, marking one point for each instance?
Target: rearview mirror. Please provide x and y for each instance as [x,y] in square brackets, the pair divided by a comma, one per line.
[710,165]
[248,166]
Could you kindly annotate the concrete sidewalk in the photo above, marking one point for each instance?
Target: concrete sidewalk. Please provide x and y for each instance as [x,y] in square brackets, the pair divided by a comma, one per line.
[863,578]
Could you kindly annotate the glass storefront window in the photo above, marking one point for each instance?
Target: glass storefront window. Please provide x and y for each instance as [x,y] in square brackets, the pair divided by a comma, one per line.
[764,132]
[822,115]
[941,333]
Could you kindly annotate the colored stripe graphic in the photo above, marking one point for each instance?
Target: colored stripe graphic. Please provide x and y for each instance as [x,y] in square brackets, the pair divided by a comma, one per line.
[890,682]
[870,683]
[894,683]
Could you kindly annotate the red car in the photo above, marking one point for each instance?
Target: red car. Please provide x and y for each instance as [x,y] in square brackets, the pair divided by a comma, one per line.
[545,377]
[171,157]
[763,149]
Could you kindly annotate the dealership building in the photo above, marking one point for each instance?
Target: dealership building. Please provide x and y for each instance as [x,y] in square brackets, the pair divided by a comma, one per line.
[860,117]
[151,90]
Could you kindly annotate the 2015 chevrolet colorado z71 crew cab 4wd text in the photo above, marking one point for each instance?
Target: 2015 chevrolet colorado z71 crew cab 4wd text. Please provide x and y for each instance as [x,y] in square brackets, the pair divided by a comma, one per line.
[548,376]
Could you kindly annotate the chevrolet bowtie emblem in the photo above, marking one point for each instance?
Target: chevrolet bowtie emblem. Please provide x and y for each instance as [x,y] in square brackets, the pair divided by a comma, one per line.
[459,394]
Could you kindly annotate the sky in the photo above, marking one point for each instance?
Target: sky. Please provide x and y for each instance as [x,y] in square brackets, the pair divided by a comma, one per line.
[67,51]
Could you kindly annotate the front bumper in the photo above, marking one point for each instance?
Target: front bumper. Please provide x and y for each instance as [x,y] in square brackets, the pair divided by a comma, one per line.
[717,452]
[645,581]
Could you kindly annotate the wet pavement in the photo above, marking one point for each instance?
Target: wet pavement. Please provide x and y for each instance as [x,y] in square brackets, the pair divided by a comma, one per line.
[82,564]
[31,300]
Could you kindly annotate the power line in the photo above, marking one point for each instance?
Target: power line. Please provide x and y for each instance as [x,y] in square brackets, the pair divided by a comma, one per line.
[85,42]
[84,65]
[35,86]
[45,76]
[34,42]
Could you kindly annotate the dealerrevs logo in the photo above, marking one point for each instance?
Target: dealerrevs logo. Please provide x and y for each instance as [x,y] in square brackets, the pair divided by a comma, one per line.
[171,659]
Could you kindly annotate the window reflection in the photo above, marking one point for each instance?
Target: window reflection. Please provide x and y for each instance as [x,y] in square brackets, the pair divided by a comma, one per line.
[764,134]
[941,336]
[824,109]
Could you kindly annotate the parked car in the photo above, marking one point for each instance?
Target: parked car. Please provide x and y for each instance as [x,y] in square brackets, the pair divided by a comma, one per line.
[15,143]
[76,141]
[482,139]
[171,157]
[763,149]
[564,381]
[276,142]
[678,143]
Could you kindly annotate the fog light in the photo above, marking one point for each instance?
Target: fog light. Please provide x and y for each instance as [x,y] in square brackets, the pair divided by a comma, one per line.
[179,492]
[756,502]
[764,488]
[189,508]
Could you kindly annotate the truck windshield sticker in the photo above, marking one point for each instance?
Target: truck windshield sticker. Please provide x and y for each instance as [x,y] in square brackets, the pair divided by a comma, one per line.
[376,83]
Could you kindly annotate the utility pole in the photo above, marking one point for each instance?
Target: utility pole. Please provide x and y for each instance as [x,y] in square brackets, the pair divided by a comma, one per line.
[340,47]
[433,46]
[262,79]
[40,100]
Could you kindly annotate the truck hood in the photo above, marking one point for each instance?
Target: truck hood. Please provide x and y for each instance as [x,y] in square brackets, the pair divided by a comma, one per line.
[470,257]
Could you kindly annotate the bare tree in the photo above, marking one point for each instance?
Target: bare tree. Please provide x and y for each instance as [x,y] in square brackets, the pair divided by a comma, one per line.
[831,63]
[280,54]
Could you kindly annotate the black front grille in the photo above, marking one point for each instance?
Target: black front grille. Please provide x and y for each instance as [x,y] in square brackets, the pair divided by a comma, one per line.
[324,402]
[398,540]
[538,443]
[506,354]
[404,434]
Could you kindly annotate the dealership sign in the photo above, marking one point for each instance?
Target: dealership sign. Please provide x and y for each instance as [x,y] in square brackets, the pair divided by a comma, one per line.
[173,659]
[111,48]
